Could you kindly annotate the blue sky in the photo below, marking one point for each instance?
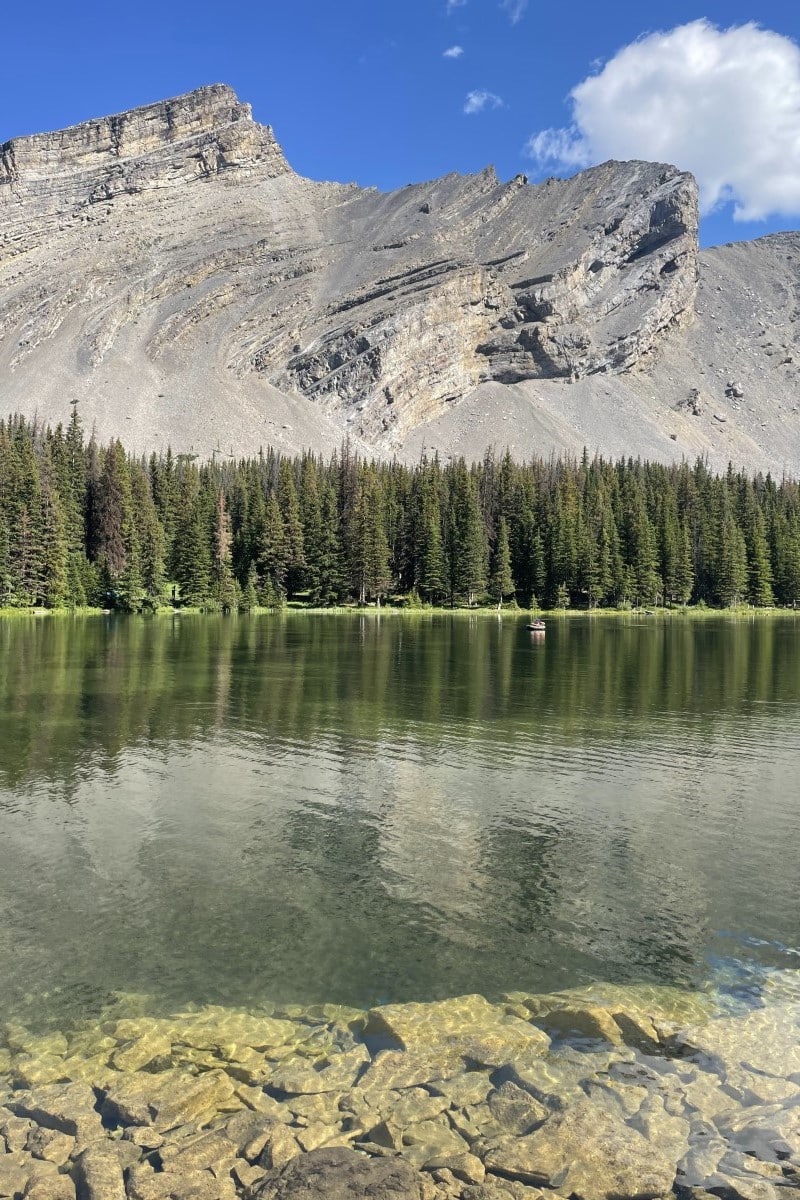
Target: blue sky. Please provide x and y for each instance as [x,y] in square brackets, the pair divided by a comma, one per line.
[361,89]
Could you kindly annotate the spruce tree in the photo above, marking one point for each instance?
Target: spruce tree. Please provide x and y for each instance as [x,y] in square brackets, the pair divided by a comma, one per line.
[330,586]
[501,582]
[467,549]
[191,550]
[223,584]
[369,553]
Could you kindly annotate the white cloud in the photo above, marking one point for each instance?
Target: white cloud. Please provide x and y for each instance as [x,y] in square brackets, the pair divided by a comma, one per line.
[452,5]
[454,52]
[515,9]
[722,103]
[564,148]
[478,101]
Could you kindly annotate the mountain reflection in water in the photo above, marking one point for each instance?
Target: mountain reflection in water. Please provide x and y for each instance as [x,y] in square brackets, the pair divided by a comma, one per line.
[361,809]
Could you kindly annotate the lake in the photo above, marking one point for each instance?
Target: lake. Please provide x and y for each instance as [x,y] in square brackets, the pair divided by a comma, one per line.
[360,809]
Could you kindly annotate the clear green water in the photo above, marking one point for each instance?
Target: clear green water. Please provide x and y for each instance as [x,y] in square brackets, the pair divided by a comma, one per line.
[366,809]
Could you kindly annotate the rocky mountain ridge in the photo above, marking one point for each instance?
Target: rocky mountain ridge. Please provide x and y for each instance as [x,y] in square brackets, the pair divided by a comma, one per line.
[168,269]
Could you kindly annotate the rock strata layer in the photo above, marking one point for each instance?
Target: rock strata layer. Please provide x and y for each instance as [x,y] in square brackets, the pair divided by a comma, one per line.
[457,1100]
[168,269]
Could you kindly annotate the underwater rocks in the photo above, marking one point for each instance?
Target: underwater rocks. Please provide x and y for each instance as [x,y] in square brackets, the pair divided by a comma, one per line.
[592,1094]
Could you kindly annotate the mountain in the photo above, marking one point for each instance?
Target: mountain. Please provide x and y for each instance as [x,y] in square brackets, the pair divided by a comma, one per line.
[167,269]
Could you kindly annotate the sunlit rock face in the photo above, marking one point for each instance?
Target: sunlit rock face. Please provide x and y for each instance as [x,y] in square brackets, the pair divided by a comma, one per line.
[169,270]
[170,250]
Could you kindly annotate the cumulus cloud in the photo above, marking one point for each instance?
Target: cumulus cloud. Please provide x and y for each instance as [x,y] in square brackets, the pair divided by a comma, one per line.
[453,52]
[515,9]
[722,103]
[478,101]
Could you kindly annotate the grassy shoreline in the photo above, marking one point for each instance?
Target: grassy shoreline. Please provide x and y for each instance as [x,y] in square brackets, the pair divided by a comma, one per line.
[740,612]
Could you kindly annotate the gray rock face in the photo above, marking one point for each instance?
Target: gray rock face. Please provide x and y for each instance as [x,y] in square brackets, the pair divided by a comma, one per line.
[163,145]
[167,268]
[164,231]
[341,1174]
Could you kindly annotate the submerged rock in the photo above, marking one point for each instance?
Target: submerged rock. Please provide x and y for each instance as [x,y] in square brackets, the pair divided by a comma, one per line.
[587,1154]
[341,1174]
[461,1100]
[468,1026]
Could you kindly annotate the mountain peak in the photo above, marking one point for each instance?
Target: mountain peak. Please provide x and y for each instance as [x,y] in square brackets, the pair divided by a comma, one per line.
[175,141]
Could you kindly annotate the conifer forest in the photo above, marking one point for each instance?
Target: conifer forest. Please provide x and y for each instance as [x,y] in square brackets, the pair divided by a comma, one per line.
[84,524]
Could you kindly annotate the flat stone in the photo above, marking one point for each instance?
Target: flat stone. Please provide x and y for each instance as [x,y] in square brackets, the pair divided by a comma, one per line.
[96,1071]
[68,1108]
[515,1110]
[146,1184]
[387,1134]
[638,1031]
[505,1189]
[766,1041]
[246,1175]
[215,1025]
[50,1145]
[137,1054]
[315,1135]
[432,1139]
[657,1002]
[553,1084]
[468,1026]
[341,1174]
[281,1148]
[143,1136]
[621,1100]
[771,1133]
[398,1069]
[417,1104]
[318,1106]
[669,1131]
[209,1151]
[257,1100]
[465,1167]
[587,1022]
[337,1075]
[468,1087]
[14,1130]
[31,1072]
[249,1132]
[55,1187]
[21,1040]
[586,1154]
[98,1174]
[167,1100]
[699,1164]
[15,1170]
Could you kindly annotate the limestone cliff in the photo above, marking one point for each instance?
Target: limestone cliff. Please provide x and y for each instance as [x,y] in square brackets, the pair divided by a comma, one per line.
[167,268]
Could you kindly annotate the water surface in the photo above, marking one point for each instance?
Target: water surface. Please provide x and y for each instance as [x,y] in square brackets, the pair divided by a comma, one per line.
[362,809]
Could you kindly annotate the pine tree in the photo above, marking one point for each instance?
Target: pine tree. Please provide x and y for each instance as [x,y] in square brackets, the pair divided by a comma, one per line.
[759,566]
[249,594]
[501,583]
[223,584]
[330,586]
[294,578]
[273,555]
[731,567]
[467,549]
[191,550]
[370,549]
[55,554]
[149,534]
[311,522]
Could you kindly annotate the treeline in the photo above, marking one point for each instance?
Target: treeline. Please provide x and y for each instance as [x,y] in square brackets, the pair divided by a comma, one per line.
[85,524]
